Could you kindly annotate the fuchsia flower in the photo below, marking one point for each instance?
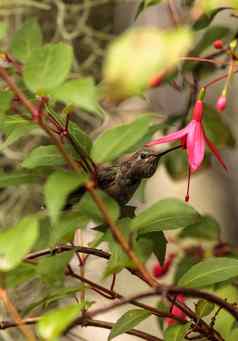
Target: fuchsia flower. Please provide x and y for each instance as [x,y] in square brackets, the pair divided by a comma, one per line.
[193,139]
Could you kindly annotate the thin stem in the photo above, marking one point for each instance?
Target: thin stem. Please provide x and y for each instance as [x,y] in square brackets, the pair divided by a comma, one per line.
[218,79]
[207,60]
[109,325]
[111,294]
[11,324]
[15,316]
[188,292]
[84,322]
[65,248]
[229,76]
[113,281]
[119,236]
[173,12]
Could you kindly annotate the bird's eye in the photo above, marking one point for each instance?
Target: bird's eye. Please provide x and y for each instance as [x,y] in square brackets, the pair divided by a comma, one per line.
[143,156]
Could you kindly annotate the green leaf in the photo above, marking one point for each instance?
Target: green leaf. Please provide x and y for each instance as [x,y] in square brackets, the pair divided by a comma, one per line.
[15,136]
[233,335]
[23,273]
[177,164]
[5,100]
[165,214]
[144,4]
[142,246]
[205,19]
[138,55]
[12,248]
[116,141]
[57,188]
[204,308]
[51,269]
[43,156]
[53,323]
[48,67]
[183,266]
[159,243]
[210,271]
[14,122]
[15,127]
[26,40]
[3,29]
[64,229]
[16,178]
[81,93]
[80,137]
[154,128]
[119,259]
[207,228]
[162,306]
[224,320]
[88,207]
[176,332]
[54,296]
[128,321]
[217,131]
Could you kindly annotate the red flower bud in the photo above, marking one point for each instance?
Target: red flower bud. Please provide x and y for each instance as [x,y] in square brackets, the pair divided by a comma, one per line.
[156,80]
[218,44]
[198,111]
[176,312]
[221,103]
[160,271]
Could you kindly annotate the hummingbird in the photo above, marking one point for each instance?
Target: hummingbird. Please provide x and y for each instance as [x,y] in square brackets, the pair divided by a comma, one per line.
[121,179]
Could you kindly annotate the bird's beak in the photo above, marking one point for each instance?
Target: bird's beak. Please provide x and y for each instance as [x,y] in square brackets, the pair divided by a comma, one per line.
[167,151]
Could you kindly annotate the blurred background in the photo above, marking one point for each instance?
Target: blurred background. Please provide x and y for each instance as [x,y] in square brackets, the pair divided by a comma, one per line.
[90,25]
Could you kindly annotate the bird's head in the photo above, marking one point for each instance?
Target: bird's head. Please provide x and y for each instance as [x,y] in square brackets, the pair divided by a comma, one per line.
[143,163]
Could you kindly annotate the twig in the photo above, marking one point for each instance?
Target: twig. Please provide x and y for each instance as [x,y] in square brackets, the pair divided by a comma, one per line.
[85,323]
[173,12]
[66,248]
[11,324]
[218,79]
[109,325]
[188,292]
[205,60]
[111,294]
[15,316]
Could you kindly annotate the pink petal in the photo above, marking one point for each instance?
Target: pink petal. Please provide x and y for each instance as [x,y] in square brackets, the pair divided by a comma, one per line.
[170,137]
[215,151]
[195,145]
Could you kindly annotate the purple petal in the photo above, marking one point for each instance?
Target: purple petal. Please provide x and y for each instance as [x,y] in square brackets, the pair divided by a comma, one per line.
[195,145]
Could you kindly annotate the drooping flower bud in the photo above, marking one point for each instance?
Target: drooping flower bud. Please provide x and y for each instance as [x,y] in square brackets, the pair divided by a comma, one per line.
[221,103]
[160,271]
[218,44]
